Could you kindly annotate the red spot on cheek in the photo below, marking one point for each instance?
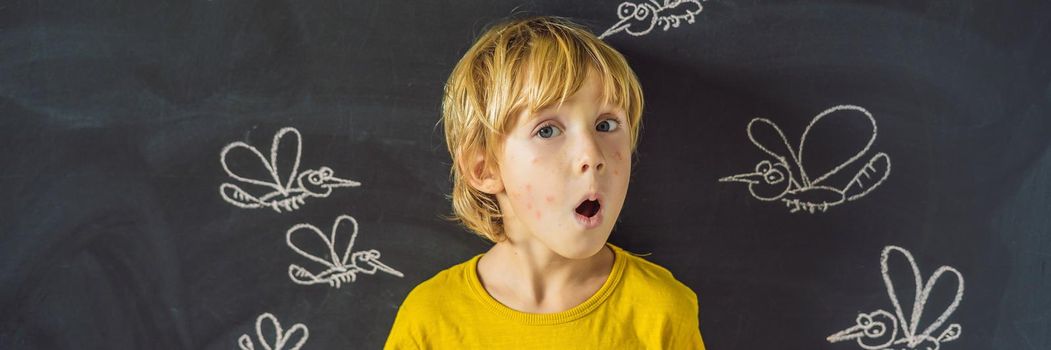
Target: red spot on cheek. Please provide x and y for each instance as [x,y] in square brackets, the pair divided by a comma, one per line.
[537,215]
[536,160]
[550,199]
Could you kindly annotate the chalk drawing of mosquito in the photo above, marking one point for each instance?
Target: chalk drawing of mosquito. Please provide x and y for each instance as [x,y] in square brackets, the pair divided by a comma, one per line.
[292,339]
[638,19]
[288,188]
[881,330]
[785,177]
[339,268]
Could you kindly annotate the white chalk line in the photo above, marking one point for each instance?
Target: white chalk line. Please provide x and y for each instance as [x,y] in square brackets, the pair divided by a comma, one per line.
[785,178]
[639,19]
[338,268]
[292,339]
[287,192]
[871,328]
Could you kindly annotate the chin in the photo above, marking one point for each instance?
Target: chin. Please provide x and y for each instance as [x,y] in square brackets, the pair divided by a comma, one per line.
[582,249]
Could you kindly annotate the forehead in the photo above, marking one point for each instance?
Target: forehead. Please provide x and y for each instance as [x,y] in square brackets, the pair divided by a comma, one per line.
[592,90]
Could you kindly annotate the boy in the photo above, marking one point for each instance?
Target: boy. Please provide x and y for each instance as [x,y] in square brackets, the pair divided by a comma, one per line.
[541,118]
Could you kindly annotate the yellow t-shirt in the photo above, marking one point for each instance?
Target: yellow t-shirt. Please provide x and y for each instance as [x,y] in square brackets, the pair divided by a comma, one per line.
[640,306]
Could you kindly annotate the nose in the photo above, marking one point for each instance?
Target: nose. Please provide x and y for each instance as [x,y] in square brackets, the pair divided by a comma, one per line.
[591,157]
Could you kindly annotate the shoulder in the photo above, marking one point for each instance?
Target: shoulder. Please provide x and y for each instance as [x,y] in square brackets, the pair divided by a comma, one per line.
[432,295]
[671,318]
[645,279]
[442,285]
[431,303]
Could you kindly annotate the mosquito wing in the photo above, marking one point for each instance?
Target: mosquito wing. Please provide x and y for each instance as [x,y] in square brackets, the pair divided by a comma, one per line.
[902,279]
[285,153]
[834,139]
[951,333]
[245,342]
[344,236]
[869,177]
[685,9]
[294,337]
[308,241]
[235,195]
[246,164]
[925,307]
[300,275]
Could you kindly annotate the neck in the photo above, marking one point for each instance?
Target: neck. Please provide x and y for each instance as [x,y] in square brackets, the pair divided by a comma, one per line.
[528,276]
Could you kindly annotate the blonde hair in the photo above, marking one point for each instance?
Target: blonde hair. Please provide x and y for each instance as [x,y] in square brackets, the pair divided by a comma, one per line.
[515,66]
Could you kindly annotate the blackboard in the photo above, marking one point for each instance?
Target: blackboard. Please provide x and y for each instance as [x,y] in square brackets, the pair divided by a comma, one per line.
[119,233]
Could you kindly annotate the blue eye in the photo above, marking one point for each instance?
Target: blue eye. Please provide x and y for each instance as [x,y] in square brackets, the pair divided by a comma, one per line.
[548,131]
[612,126]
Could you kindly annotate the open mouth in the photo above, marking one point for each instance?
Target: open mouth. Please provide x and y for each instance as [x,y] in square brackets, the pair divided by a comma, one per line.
[588,208]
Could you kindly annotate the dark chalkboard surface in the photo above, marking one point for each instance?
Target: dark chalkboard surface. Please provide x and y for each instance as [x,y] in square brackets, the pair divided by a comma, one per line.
[179,173]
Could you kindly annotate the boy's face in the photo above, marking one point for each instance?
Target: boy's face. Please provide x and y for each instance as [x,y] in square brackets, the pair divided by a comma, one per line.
[554,160]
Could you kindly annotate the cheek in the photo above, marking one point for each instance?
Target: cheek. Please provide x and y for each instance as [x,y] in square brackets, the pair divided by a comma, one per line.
[535,209]
[526,197]
[622,164]
[536,202]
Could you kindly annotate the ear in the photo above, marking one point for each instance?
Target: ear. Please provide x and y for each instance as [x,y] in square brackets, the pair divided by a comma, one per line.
[479,174]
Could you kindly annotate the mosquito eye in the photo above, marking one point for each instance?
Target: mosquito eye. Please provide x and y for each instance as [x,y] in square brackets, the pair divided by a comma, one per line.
[625,10]
[641,12]
[875,331]
[315,178]
[326,172]
[774,176]
[762,167]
